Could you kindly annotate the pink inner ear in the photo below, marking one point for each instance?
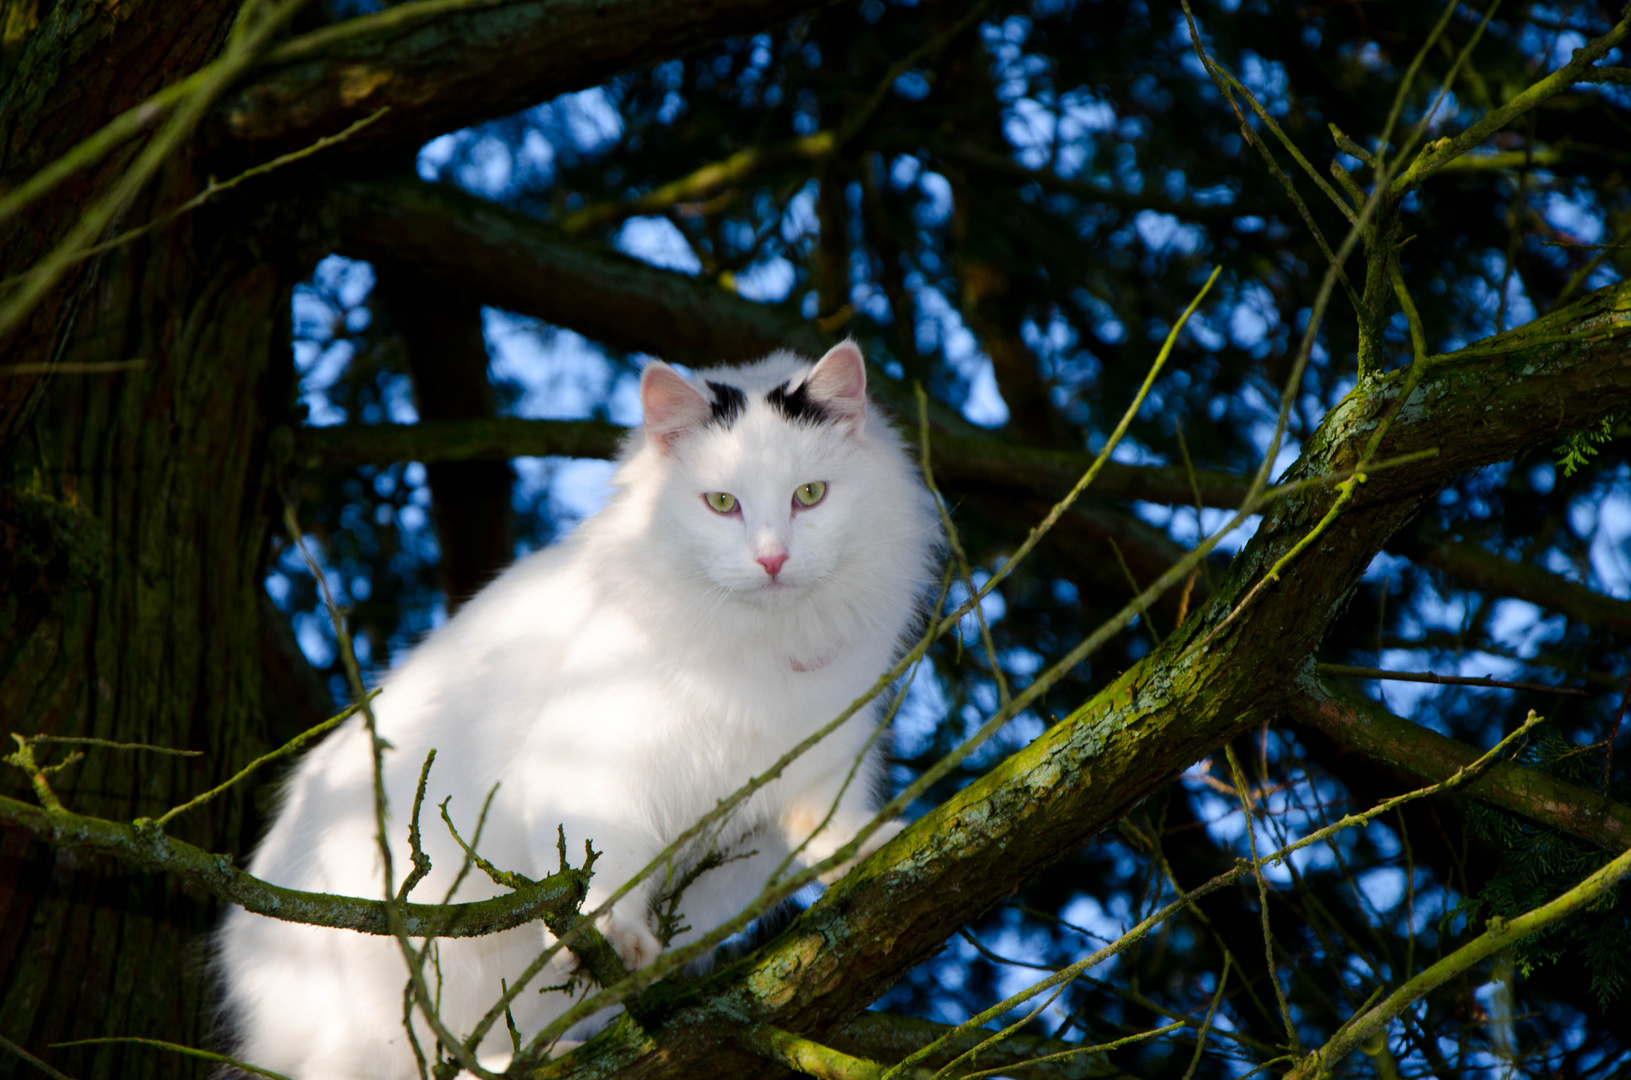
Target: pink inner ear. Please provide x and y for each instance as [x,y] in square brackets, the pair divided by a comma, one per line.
[671,404]
[839,380]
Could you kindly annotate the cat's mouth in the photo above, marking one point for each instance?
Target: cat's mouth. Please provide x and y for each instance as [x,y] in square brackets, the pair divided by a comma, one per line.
[811,665]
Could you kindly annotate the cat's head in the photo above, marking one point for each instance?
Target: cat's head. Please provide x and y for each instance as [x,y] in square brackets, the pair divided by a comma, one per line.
[773,480]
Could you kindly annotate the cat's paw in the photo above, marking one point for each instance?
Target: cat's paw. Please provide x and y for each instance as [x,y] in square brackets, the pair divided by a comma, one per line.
[886,832]
[636,945]
[565,962]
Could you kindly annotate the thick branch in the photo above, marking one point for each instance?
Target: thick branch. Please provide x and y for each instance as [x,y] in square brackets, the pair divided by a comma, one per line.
[1377,733]
[454,440]
[148,848]
[959,458]
[1484,570]
[441,65]
[1494,400]
[521,265]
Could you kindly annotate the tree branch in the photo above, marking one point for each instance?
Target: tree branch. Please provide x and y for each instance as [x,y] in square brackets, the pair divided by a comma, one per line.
[1377,733]
[965,459]
[144,846]
[525,266]
[1488,572]
[1435,156]
[441,65]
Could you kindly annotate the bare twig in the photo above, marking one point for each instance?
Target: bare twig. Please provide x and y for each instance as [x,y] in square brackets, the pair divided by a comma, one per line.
[1446,680]
[1243,790]
[296,743]
[1501,934]
[211,190]
[54,1074]
[1435,157]
[189,1051]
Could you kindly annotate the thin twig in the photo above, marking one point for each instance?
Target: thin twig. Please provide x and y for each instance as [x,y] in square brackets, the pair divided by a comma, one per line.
[1436,156]
[287,748]
[1445,680]
[393,908]
[243,49]
[1206,1025]
[31,1059]
[80,740]
[211,190]
[1242,868]
[1293,1043]
[219,1059]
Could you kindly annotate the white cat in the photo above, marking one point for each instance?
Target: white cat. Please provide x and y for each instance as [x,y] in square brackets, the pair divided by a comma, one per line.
[768,546]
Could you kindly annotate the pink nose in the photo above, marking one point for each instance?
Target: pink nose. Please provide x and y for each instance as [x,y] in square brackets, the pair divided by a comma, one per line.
[773,563]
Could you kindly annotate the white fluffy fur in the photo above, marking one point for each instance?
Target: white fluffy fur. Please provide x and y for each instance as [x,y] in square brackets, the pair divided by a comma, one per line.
[619,683]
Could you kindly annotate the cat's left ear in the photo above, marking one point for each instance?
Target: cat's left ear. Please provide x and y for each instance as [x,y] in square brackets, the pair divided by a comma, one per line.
[672,406]
[838,382]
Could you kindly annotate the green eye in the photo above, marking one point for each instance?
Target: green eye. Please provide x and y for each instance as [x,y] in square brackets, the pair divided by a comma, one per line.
[720,502]
[811,493]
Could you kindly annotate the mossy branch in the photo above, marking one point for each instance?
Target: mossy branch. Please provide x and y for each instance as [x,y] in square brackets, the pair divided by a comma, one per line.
[144,846]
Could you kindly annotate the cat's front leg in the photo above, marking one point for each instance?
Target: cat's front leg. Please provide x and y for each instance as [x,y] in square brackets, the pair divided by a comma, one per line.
[632,937]
[626,926]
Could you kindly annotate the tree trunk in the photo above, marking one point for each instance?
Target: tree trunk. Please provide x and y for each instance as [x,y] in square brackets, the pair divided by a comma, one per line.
[143,502]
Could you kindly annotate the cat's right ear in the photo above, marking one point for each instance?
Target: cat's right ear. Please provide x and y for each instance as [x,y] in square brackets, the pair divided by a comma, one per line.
[672,406]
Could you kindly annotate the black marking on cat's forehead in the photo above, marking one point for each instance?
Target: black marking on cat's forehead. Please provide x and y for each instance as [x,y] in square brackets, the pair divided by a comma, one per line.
[727,405]
[797,406]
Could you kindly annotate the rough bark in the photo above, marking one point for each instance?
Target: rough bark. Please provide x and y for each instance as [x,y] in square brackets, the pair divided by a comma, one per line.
[163,470]
[82,64]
